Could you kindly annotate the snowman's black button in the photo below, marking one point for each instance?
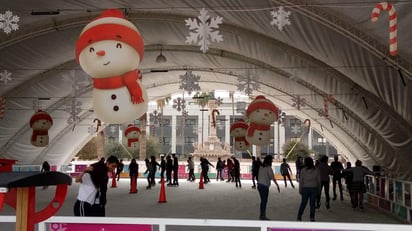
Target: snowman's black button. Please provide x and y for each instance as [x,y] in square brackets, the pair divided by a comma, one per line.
[116,108]
[114,96]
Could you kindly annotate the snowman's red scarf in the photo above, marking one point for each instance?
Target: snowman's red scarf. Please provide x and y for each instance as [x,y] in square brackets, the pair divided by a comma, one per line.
[38,133]
[254,126]
[242,138]
[130,141]
[128,79]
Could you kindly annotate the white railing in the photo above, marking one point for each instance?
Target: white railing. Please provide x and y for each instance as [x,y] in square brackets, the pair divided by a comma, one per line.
[162,223]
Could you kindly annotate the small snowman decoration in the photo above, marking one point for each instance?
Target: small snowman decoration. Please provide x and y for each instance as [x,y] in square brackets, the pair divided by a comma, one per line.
[238,131]
[40,122]
[261,113]
[109,49]
[132,134]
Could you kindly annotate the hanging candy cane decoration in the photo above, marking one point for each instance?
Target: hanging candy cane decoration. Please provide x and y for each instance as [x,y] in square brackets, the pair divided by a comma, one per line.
[393,25]
[326,99]
[99,123]
[2,106]
[214,112]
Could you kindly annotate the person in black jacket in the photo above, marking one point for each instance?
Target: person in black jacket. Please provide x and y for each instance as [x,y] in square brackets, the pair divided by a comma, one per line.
[337,168]
[256,163]
[236,170]
[175,170]
[169,169]
[162,167]
[133,171]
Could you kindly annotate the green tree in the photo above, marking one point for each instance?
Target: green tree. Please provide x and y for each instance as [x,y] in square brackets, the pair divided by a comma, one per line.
[89,151]
[299,150]
[202,98]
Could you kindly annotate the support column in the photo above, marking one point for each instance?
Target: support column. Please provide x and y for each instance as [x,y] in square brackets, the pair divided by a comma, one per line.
[173,141]
[227,129]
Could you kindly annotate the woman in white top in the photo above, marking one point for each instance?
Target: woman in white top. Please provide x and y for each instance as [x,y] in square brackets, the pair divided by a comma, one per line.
[265,176]
[93,187]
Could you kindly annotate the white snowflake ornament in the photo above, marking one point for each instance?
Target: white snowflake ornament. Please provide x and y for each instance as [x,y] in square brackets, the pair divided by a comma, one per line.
[189,82]
[8,22]
[5,76]
[280,18]
[203,30]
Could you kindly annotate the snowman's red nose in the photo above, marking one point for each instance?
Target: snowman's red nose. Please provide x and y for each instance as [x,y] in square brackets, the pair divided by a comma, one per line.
[101,53]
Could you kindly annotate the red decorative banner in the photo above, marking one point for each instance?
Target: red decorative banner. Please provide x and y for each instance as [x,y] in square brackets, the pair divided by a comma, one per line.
[2,106]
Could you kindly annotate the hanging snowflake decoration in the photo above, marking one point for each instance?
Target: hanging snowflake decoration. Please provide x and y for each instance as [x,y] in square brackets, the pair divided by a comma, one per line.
[155,117]
[219,101]
[246,84]
[295,129]
[185,113]
[79,82]
[5,76]
[8,22]
[281,117]
[203,30]
[73,107]
[91,129]
[189,82]
[298,102]
[280,18]
[179,104]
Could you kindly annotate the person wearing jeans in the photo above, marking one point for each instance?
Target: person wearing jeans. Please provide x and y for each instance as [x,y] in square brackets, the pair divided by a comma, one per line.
[309,185]
[266,175]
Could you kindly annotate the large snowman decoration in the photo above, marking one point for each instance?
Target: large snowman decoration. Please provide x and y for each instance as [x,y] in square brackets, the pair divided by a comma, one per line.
[261,113]
[132,134]
[109,49]
[238,131]
[40,122]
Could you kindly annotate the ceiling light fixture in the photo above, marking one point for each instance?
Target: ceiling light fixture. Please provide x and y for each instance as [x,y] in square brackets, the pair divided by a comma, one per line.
[161,58]
[51,12]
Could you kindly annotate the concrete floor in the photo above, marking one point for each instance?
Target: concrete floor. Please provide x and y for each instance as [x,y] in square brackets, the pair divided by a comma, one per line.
[218,200]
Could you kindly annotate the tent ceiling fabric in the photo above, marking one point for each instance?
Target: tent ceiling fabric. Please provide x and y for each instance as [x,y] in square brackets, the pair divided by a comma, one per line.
[330,48]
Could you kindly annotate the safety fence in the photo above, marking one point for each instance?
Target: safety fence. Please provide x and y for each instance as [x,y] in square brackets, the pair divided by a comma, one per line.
[70,223]
[390,195]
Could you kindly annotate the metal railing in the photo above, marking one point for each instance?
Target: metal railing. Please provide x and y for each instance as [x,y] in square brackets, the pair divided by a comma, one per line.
[163,223]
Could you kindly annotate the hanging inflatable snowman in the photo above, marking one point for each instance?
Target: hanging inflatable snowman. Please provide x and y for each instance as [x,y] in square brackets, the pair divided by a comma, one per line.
[261,113]
[238,131]
[109,49]
[132,134]
[40,122]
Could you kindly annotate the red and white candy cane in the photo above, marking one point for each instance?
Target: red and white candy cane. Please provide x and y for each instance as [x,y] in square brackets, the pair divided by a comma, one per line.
[326,99]
[215,111]
[99,123]
[393,24]
[2,106]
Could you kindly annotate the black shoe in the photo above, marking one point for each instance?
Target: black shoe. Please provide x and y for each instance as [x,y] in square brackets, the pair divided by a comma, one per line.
[327,205]
[264,218]
[312,219]
[299,218]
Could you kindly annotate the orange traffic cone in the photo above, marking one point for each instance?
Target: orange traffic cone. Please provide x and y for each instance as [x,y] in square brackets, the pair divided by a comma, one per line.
[114,185]
[201,184]
[133,186]
[162,195]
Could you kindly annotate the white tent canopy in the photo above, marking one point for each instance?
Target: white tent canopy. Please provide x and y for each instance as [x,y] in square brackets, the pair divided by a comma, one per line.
[329,48]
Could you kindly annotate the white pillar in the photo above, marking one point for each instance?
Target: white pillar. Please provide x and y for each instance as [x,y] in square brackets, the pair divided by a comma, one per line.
[173,141]
[310,137]
[227,129]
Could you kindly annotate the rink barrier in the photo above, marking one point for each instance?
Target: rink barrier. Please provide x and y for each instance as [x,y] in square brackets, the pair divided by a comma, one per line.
[59,223]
